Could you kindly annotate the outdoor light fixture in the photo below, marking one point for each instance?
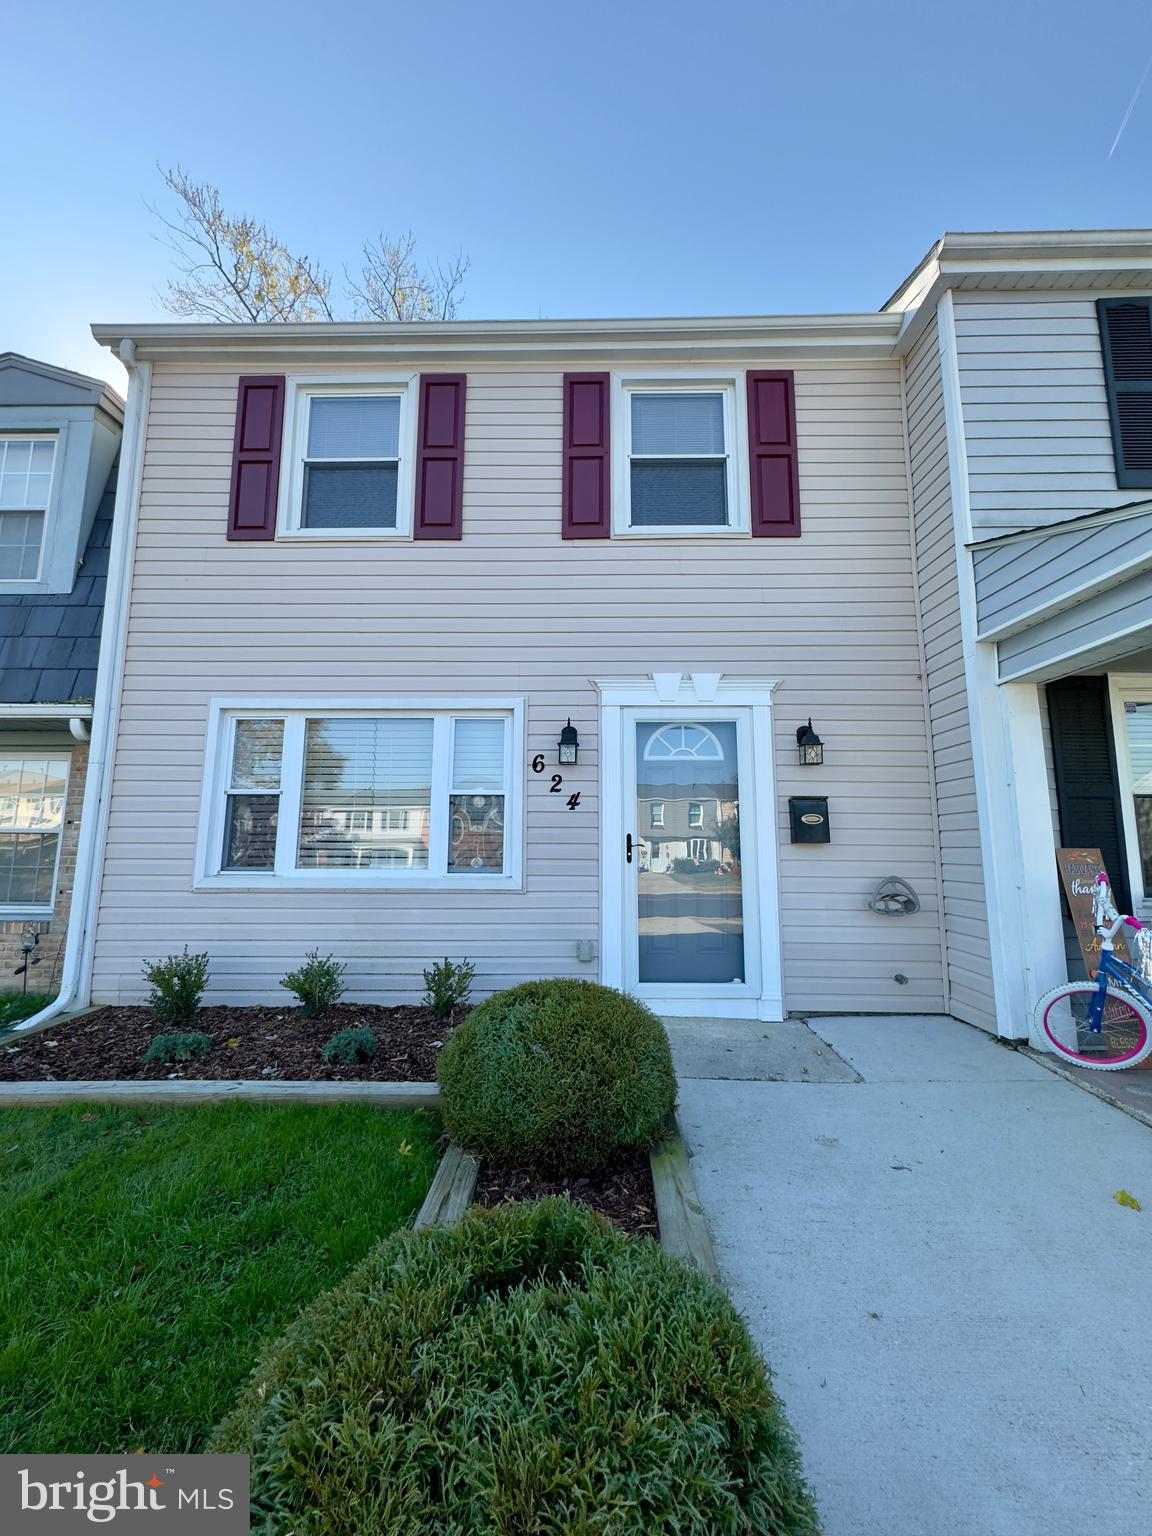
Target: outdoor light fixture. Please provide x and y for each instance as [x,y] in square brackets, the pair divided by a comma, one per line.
[569,744]
[810,746]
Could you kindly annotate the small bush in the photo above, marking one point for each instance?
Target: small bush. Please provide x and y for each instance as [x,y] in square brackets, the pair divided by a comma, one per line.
[177,983]
[170,1050]
[319,983]
[351,1047]
[695,866]
[449,984]
[557,1076]
[527,1369]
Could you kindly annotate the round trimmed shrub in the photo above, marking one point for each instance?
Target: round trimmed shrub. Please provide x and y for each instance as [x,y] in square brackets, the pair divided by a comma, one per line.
[557,1076]
[528,1369]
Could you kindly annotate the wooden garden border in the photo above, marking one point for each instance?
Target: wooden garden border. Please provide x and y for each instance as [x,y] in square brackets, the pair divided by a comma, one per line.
[683,1229]
[208,1090]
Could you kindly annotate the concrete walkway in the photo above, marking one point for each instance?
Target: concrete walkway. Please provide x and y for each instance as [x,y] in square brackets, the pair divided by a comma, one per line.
[927,1248]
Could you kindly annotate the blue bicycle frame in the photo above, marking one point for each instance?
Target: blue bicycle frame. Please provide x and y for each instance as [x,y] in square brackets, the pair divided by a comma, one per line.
[1116,970]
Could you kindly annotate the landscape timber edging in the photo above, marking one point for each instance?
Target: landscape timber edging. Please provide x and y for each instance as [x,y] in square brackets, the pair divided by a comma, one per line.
[683,1229]
[209,1090]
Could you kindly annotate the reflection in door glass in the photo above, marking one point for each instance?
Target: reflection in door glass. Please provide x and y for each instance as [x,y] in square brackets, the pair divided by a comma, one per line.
[691,913]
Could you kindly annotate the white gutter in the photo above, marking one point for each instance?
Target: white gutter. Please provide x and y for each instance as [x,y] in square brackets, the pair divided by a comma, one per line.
[75,978]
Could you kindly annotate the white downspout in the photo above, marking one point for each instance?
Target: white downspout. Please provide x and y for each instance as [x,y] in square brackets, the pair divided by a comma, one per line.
[75,978]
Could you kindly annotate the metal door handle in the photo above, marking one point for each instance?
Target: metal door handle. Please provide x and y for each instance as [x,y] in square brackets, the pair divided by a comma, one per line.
[628,849]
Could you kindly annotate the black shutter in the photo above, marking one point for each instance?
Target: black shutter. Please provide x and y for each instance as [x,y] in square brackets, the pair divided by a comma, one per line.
[1126,341]
[1087,787]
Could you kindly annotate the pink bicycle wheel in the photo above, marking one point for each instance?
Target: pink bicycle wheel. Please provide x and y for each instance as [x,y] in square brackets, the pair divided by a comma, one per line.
[1121,1040]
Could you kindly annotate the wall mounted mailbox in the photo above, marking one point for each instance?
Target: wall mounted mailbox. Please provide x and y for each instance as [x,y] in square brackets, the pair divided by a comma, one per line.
[809,817]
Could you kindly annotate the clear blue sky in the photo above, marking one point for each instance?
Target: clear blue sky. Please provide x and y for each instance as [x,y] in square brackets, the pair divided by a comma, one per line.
[592,158]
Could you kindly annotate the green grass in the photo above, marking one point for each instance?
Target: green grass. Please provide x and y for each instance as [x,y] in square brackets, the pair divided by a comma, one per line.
[15,1006]
[145,1254]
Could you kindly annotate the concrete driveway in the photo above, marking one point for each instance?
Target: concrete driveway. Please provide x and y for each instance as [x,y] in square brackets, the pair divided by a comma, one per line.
[920,1228]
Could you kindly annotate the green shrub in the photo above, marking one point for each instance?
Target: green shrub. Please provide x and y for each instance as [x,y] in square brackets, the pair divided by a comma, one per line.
[177,982]
[449,984]
[167,1050]
[558,1076]
[319,983]
[351,1047]
[528,1369]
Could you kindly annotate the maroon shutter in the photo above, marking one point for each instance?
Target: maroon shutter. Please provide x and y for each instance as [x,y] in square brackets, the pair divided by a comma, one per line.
[256,458]
[772,455]
[440,457]
[587,462]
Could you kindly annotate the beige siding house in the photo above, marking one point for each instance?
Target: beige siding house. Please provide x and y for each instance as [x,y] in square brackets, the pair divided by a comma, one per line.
[511,621]
[370,581]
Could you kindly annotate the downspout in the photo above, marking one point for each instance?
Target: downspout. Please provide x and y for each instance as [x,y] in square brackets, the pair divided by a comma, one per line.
[75,979]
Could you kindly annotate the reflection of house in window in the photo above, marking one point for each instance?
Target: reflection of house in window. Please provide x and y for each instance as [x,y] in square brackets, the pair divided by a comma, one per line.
[697,829]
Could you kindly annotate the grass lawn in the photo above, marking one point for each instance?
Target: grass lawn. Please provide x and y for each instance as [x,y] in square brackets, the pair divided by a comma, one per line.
[146,1252]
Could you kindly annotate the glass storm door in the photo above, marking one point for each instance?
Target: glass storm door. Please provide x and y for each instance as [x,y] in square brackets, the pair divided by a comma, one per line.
[690,928]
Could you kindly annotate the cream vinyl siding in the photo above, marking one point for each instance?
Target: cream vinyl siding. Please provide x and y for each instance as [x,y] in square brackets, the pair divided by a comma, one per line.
[965,910]
[513,611]
[1035,409]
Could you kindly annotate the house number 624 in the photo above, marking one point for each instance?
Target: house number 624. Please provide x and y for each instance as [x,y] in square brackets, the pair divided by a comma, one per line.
[557,785]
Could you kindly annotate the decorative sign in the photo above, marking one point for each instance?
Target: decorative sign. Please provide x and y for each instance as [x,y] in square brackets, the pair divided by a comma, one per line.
[1079,868]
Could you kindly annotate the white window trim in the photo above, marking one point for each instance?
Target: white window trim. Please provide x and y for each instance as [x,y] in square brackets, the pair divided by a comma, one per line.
[58,438]
[16,911]
[301,389]
[656,823]
[222,712]
[732,388]
[1123,688]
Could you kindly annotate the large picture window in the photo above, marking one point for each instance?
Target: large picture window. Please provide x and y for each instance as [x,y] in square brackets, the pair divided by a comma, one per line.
[352,797]
[32,796]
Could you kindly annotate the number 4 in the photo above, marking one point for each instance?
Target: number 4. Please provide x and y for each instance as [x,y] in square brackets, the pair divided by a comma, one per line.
[573,801]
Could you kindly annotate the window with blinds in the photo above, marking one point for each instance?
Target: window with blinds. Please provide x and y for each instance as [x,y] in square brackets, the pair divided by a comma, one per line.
[346,796]
[678,468]
[367,794]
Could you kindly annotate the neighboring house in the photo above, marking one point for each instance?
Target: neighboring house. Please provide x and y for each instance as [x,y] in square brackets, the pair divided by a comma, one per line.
[371,571]
[59,436]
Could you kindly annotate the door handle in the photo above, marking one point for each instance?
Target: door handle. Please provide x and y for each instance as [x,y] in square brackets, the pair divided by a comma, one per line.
[628,849]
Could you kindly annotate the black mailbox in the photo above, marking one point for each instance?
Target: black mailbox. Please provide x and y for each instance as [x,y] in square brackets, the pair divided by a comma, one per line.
[809,817]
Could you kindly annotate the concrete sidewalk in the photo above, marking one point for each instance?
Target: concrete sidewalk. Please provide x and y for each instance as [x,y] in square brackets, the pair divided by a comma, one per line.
[932,1260]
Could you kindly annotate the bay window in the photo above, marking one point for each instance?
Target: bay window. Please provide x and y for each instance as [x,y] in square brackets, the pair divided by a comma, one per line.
[350,797]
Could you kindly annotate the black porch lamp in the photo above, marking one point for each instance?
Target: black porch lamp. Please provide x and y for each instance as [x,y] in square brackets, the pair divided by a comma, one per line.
[810,747]
[569,745]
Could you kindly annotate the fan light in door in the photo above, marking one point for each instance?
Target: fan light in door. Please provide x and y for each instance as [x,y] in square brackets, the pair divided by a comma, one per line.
[568,745]
[810,747]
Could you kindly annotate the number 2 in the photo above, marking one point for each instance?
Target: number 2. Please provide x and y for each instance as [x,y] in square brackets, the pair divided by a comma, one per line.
[557,781]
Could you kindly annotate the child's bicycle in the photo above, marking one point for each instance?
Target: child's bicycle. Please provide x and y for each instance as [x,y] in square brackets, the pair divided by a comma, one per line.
[1104,1023]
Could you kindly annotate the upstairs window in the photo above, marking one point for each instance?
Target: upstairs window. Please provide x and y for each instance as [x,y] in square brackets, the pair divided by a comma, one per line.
[1126,341]
[681,459]
[350,473]
[26,468]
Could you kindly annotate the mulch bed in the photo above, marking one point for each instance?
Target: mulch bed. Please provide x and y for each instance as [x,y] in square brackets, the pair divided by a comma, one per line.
[259,1043]
[623,1193]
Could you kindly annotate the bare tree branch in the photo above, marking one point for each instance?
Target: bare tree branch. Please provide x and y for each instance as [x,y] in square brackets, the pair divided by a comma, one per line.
[393,286]
[236,269]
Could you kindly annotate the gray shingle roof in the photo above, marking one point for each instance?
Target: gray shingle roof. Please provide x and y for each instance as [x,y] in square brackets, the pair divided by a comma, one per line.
[49,644]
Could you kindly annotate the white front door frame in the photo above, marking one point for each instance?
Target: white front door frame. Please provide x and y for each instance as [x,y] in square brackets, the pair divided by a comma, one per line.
[682,695]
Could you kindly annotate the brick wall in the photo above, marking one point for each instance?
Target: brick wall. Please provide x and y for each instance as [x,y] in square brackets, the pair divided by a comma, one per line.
[46,976]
